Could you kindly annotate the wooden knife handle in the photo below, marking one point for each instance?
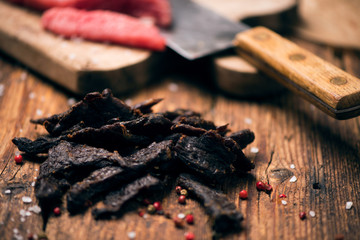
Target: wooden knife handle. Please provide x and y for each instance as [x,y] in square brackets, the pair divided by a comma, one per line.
[331,89]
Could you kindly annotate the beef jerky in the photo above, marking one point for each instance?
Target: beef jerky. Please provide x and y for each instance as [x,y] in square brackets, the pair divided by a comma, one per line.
[82,194]
[68,163]
[93,111]
[156,158]
[206,155]
[243,137]
[176,115]
[149,125]
[40,145]
[111,137]
[223,214]
[240,162]
[146,106]
[115,201]
[188,130]
[49,189]
[67,160]
[198,122]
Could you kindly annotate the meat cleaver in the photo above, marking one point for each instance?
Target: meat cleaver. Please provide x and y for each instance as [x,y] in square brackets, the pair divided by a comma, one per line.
[198,32]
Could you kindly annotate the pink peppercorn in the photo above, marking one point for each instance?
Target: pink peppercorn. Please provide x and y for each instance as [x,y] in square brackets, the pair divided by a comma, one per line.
[57,211]
[189,236]
[18,159]
[243,194]
[189,219]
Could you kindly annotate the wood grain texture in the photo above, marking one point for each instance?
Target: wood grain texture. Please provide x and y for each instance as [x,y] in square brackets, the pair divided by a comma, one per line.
[76,64]
[333,90]
[288,130]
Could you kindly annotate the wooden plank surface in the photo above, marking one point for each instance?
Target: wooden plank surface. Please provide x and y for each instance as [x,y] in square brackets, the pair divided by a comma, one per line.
[288,131]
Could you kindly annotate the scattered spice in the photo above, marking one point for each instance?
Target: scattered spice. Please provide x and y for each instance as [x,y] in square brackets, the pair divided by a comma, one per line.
[18,159]
[189,218]
[243,194]
[35,209]
[312,213]
[182,199]
[254,149]
[268,187]
[157,206]
[151,209]
[57,211]
[260,186]
[292,166]
[178,189]
[293,179]
[7,191]
[348,205]
[141,213]
[26,199]
[189,236]
[282,196]
[131,235]
[184,192]
[302,215]
[181,215]
[283,202]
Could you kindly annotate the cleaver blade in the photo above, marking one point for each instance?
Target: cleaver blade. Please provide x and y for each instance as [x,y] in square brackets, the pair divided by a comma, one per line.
[197,32]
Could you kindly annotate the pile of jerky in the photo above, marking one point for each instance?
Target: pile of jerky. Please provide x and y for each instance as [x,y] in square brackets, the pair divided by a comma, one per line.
[104,150]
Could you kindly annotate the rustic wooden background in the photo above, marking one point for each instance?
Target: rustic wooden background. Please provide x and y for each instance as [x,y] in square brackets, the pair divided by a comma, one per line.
[288,131]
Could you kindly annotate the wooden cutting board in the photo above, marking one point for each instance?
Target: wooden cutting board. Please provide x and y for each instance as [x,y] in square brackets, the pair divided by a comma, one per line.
[80,66]
[83,66]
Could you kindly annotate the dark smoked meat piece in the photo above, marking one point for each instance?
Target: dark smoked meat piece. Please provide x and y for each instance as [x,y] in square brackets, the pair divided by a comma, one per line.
[156,158]
[81,195]
[93,111]
[68,160]
[240,162]
[111,137]
[40,145]
[149,125]
[68,163]
[115,201]
[176,115]
[223,214]
[206,155]
[145,107]
[243,137]
[187,130]
[49,189]
[198,122]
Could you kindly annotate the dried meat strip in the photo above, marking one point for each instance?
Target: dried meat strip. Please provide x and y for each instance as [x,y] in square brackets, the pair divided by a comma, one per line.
[156,158]
[40,145]
[243,137]
[116,200]
[95,110]
[82,194]
[146,106]
[223,214]
[68,162]
[206,155]
[111,137]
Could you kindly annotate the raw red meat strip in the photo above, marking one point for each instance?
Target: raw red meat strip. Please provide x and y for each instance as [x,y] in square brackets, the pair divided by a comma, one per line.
[45,4]
[159,10]
[103,25]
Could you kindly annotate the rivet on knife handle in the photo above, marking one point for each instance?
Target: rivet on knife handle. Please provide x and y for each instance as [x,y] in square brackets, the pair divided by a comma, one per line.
[331,89]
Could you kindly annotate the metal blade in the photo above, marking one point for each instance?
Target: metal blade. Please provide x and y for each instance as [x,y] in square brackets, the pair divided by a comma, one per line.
[197,31]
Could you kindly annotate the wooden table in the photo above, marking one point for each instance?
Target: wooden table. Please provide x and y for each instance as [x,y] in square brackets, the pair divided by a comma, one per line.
[288,130]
